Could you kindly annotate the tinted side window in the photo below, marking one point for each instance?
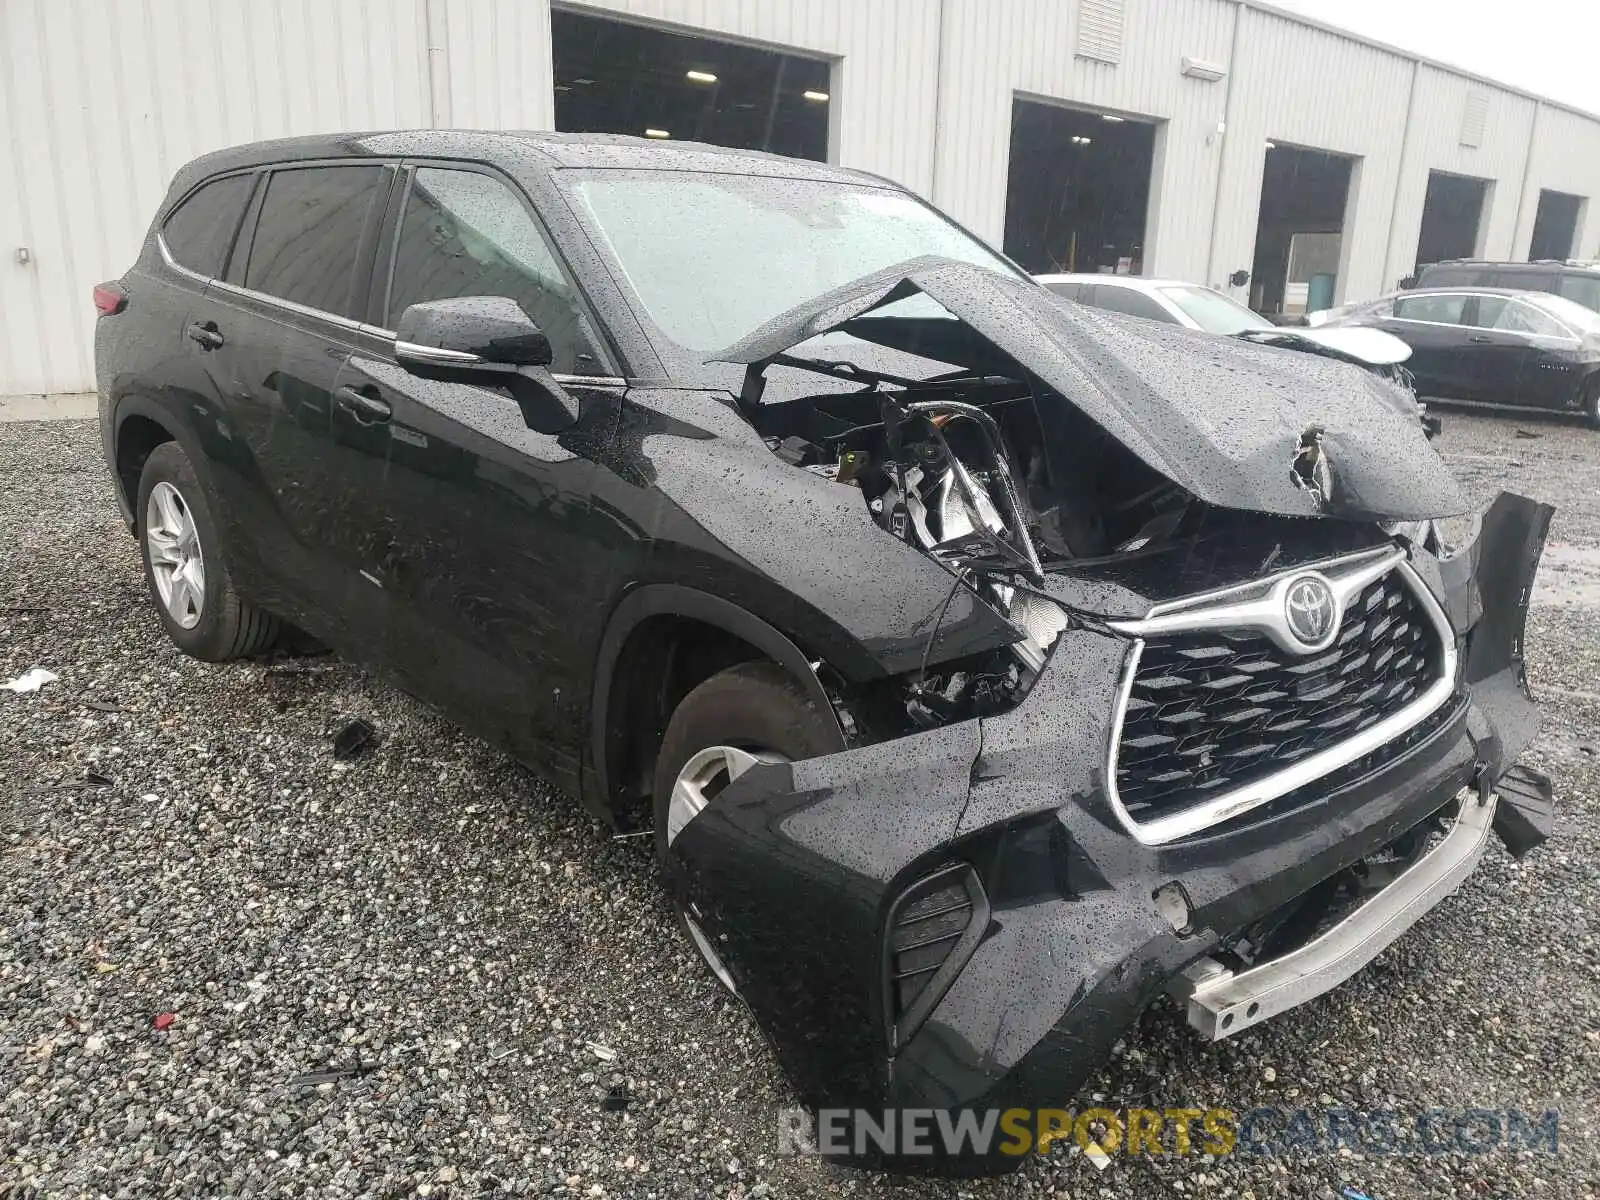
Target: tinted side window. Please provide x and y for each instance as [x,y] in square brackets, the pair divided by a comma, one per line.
[463,233]
[309,233]
[1454,277]
[1446,310]
[1581,289]
[1518,317]
[1527,281]
[1126,300]
[1487,312]
[200,230]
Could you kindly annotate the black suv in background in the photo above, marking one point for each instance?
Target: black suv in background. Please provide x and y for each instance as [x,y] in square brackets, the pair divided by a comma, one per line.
[1578,283]
[985,664]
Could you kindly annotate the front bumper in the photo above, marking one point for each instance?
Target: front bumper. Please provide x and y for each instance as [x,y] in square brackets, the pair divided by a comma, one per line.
[796,868]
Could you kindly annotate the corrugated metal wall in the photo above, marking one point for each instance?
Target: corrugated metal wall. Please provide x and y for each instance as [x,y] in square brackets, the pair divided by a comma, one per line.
[1439,116]
[1307,87]
[994,50]
[1565,157]
[100,102]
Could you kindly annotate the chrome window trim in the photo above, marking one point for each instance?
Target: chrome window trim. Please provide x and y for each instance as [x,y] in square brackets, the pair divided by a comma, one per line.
[302,310]
[1221,610]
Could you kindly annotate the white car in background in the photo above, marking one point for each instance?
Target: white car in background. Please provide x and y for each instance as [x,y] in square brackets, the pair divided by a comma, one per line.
[1194,307]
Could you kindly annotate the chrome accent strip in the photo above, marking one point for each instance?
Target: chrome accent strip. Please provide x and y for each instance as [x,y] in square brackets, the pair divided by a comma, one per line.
[1258,605]
[591,380]
[1252,795]
[262,297]
[1221,1003]
[434,354]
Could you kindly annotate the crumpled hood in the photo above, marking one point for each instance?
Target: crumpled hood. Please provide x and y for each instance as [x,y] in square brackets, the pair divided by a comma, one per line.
[1221,418]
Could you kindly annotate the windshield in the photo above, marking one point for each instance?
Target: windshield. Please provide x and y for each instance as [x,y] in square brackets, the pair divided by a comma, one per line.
[1575,316]
[711,258]
[1214,312]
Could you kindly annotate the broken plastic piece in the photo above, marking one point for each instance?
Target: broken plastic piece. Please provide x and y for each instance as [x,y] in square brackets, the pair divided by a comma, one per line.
[1526,812]
[164,1020]
[616,1098]
[350,741]
[32,681]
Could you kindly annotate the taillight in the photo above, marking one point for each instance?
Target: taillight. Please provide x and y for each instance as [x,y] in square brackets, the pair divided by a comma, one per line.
[109,299]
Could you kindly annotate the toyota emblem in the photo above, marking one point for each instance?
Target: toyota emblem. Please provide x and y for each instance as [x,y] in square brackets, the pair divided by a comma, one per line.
[1310,611]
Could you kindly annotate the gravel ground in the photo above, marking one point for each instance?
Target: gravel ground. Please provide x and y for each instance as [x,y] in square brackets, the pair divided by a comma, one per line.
[230,964]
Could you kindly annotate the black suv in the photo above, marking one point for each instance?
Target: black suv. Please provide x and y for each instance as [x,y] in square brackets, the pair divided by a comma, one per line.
[985,664]
[1578,282]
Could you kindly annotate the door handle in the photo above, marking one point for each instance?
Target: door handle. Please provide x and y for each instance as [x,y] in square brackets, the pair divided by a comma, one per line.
[365,408]
[1479,339]
[207,334]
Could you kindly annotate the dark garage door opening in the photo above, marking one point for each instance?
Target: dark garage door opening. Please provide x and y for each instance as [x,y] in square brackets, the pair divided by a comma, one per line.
[1554,225]
[1450,216]
[614,77]
[1300,229]
[1078,189]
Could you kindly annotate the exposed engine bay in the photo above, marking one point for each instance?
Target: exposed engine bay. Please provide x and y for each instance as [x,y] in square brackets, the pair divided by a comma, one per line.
[964,469]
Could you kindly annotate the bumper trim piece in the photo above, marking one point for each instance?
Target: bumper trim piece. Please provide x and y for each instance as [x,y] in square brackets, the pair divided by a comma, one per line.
[1221,1002]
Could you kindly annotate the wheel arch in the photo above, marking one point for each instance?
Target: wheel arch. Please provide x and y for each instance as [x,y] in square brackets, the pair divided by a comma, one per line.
[635,672]
[140,424]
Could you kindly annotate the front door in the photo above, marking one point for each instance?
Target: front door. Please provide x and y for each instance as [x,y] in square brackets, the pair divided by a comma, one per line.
[493,570]
[1432,325]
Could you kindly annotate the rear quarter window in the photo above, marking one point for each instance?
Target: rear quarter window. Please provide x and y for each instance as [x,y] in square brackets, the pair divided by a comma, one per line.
[200,230]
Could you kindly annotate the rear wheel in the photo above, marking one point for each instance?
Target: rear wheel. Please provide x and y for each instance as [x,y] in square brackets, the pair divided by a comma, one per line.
[751,713]
[178,541]
[1591,403]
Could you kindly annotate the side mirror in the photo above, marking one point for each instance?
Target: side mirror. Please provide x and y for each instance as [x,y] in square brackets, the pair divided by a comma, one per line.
[490,341]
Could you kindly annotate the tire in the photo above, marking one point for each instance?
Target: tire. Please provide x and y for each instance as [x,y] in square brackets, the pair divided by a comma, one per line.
[754,707]
[183,565]
[1591,404]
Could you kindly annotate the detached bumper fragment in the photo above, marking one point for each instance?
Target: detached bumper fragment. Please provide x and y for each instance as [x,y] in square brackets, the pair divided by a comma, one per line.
[1527,809]
[1221,1002]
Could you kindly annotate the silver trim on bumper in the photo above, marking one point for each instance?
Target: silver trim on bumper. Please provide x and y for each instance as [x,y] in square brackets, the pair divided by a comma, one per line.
[1193,615]
[1221,1003]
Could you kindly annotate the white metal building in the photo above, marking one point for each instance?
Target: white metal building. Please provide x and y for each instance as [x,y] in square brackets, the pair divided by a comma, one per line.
[100,103]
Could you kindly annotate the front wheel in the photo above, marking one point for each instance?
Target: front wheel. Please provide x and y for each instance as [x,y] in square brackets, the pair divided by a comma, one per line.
[751,713]
[178,541]
[1591,403]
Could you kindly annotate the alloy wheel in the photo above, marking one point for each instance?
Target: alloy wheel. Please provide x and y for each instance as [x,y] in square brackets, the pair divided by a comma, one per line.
[177,564]
[702,777]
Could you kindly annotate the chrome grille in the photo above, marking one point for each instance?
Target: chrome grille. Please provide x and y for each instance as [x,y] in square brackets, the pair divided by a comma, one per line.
[1220,712]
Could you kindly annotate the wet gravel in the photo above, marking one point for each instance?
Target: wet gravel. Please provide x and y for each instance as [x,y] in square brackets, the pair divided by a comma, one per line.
[230,964]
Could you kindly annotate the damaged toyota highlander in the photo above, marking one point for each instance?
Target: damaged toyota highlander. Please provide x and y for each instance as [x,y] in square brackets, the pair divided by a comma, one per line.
[986,665]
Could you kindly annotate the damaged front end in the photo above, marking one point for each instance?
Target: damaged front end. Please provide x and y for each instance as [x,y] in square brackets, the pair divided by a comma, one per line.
[1243,682]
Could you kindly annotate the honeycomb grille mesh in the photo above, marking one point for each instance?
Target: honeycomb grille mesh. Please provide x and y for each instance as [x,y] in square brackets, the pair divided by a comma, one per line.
[1210,712]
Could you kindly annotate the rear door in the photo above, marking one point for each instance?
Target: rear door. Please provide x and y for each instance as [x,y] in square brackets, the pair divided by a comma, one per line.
[1497,350]
[1548,371]
[281,324]
[495,564]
